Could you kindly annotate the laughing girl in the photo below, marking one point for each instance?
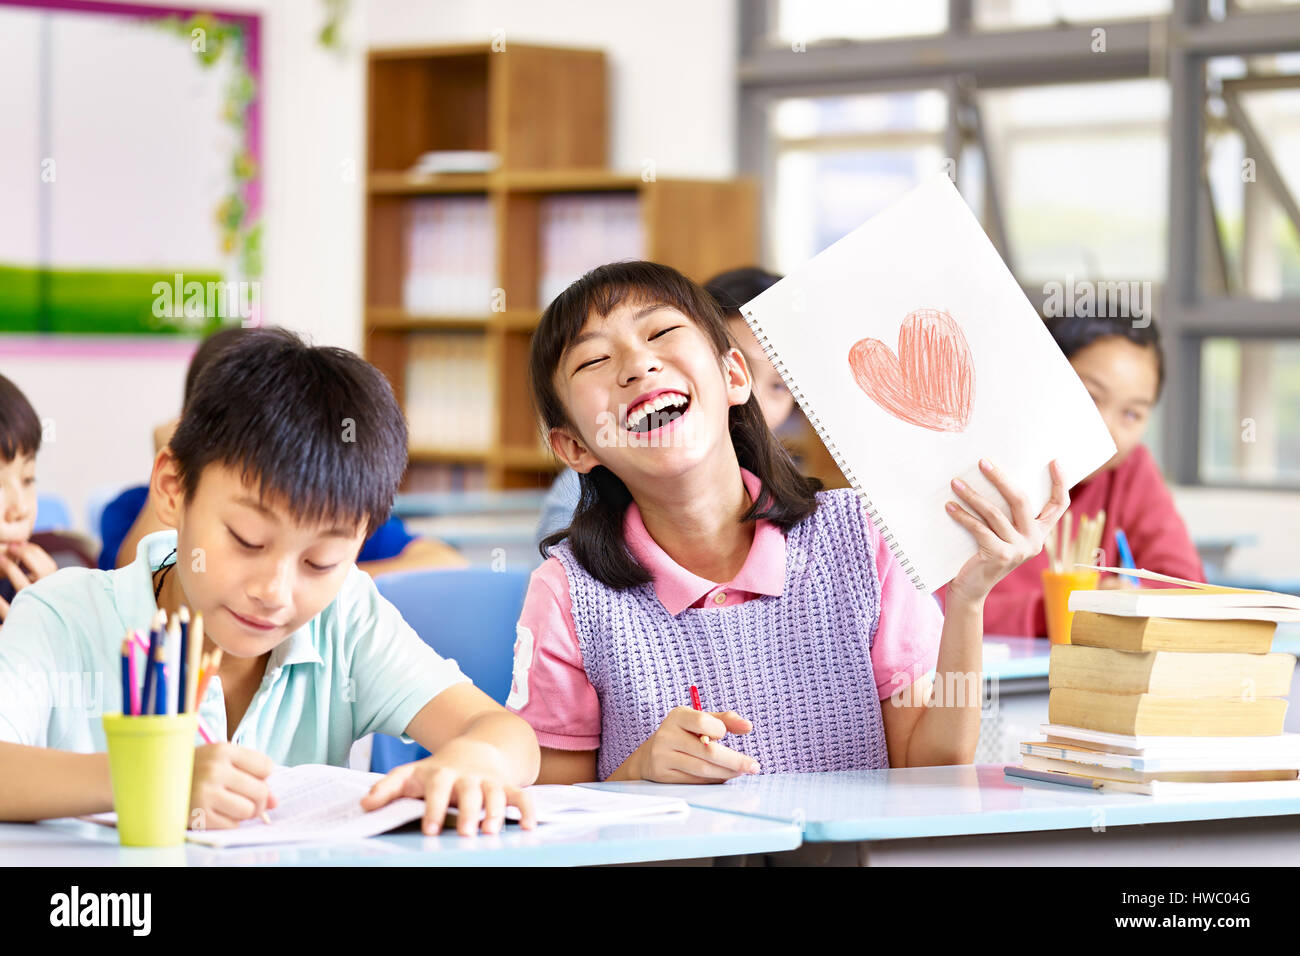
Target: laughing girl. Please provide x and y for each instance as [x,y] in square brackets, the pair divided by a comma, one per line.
[698,556]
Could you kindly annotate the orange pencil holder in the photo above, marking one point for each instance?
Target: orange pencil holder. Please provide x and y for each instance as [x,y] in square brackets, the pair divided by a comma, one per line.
[1056,600]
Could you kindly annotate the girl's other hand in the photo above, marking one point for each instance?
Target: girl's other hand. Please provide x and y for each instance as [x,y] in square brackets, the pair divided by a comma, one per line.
[1004,543]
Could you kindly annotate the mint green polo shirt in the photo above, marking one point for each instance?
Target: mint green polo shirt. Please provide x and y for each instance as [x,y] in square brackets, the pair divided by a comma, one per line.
[354,669]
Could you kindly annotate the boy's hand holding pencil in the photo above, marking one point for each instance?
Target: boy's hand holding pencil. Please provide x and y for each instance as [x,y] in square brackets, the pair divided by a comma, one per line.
[229,786]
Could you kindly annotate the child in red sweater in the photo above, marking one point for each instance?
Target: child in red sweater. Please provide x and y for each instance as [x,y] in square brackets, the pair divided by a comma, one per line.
[1123,369]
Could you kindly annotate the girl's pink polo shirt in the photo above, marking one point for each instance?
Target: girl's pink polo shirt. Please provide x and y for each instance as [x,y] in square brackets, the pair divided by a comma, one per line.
[551,690]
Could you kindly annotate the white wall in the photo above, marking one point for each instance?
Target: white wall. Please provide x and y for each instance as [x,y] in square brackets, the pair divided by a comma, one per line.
[672,65]
[672,100]
[105,396]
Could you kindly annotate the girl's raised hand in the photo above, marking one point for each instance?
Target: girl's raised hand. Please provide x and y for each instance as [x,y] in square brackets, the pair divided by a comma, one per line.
[676,754]
[1004,544]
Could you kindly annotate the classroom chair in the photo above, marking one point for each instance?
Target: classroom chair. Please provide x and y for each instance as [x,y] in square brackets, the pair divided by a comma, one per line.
[51,514]
[465,613]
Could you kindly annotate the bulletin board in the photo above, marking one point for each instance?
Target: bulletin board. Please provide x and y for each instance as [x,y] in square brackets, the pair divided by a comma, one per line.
[130,169]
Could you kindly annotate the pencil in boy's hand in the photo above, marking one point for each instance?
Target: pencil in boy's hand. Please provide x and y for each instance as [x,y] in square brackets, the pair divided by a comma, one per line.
[695,702]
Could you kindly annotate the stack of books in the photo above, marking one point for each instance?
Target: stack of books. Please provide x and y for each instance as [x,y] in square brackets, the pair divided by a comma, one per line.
[1169,691]
[450,256]
[449,391]
[580,232]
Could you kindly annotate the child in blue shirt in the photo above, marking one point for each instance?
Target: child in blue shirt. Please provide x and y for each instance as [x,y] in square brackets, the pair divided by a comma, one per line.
[286,457]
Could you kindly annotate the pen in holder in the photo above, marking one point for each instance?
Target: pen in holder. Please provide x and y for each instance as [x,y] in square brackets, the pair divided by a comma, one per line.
[1062,576]
[151,759]
[151,743]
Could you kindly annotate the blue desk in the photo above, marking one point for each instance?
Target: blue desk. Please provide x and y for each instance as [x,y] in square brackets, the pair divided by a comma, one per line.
[972,814]
[701,834]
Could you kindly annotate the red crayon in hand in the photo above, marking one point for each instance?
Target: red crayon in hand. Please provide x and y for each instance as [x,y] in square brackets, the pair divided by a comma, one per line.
[695,702]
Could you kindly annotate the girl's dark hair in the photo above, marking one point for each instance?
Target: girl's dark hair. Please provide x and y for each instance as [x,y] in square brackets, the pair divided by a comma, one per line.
[596,530]
[735,287]
[316,428]
[20,429]
[1073,333]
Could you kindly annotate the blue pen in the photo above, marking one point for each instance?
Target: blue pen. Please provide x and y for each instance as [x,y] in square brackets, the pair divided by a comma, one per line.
[1126,557]
[160,680]
[127,690]
[146,695]
[182,664]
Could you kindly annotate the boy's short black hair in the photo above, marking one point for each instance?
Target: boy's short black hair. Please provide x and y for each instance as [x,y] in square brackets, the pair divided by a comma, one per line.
[316,428]
[1075,332]
[735,287]
[208,349]
[20,429]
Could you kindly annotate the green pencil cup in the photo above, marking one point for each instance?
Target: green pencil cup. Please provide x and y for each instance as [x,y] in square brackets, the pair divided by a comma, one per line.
[152,763]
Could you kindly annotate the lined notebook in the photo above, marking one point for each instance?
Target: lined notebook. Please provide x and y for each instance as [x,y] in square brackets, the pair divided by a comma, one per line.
[914,353]
[321,803]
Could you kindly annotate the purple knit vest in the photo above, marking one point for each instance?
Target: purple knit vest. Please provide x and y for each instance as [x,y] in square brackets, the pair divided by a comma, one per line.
[797,666]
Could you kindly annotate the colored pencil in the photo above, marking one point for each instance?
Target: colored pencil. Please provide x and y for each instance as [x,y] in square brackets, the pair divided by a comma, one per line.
[155,640]
[695,702]
[1126,556]
[183,662]
[211,666]
[173,662]
[193,663]
[160,679]
[128,677]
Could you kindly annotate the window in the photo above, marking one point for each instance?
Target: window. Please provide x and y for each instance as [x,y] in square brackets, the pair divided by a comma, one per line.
[1016,14]
[829,20]
[1250,411]
[1083,175]
[1253,174]
[1111,165]
[841,159]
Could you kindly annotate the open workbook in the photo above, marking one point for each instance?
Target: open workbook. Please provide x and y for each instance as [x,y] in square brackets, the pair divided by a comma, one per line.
[914,353]
[1189,601]
[319,803]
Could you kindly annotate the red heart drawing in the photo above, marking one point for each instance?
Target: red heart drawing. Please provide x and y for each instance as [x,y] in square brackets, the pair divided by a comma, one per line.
[931,382]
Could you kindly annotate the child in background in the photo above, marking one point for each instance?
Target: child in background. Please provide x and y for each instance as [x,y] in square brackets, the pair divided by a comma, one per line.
[132,515]
[1122,367]
[730,290]
[700,556]
[285,459]
[22,559]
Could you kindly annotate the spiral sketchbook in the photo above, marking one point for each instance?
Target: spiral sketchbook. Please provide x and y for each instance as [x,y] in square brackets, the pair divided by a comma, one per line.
[914,352]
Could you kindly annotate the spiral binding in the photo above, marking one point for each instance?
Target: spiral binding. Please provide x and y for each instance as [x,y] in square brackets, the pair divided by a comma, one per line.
[885,534]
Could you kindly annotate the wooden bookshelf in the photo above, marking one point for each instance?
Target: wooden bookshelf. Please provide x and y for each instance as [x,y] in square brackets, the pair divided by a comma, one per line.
[543,112]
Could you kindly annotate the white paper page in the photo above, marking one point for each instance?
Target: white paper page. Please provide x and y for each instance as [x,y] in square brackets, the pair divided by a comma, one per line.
[1025,403]
[562,804]
[317,802]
